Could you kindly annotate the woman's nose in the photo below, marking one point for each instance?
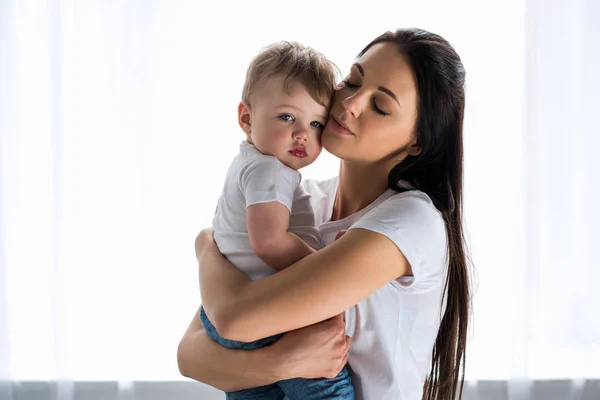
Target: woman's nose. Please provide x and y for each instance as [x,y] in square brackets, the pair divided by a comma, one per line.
[352,105]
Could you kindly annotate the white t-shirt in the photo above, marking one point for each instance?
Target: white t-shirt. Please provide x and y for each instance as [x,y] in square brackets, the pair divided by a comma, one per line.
[255,178]
[393,330]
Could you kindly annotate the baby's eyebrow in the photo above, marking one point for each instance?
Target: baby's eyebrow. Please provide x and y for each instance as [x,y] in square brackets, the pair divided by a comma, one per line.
[287,106]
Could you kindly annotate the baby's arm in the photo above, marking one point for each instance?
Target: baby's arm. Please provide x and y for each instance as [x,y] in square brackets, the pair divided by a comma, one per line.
[267,225]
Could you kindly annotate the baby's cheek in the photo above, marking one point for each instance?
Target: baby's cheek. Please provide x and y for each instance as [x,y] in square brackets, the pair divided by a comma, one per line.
[317,150]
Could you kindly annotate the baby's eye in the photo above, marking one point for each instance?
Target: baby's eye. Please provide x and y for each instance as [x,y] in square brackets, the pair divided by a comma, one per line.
[286,117]
[316,124]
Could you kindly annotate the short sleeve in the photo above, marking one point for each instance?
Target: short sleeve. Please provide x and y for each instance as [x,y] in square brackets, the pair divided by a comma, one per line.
[413,223]
[267,179]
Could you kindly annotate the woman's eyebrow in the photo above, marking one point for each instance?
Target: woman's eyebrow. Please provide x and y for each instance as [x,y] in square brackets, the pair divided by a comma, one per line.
[390,93]
[359,68]
[383,89]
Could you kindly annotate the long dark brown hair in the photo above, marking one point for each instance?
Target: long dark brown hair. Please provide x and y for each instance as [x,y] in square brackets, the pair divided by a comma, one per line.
[438,171]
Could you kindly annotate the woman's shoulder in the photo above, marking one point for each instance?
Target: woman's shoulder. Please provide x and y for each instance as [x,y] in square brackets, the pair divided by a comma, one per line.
[410,215]
[410,207]
[412,222]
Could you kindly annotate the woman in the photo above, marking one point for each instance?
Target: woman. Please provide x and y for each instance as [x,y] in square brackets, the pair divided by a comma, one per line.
[400,267]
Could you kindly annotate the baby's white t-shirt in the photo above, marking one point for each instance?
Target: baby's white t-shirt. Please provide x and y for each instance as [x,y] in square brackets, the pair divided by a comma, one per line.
[394,329]
[255,178]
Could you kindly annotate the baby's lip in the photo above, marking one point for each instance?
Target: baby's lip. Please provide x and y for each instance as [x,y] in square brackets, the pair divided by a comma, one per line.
[299,151]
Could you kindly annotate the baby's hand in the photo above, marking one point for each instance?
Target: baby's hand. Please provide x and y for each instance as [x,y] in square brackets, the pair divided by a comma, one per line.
[340,234]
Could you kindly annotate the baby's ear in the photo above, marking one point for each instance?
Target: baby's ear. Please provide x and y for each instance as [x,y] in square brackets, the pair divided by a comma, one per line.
[244,117]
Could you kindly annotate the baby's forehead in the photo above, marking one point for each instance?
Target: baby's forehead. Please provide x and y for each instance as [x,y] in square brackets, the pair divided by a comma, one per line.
[307,106]
[294,98]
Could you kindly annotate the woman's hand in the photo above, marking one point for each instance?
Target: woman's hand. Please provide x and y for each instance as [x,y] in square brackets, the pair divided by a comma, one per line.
[316,351]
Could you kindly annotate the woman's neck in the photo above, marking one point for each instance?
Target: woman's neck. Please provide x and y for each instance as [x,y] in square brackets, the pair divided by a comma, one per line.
[358,186]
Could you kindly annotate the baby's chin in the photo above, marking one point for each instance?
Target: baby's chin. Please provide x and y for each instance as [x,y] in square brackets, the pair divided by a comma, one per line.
[298,164]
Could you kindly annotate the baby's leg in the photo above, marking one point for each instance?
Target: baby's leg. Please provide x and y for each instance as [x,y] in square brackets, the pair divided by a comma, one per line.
[268,392]
[338,388]
[233,344]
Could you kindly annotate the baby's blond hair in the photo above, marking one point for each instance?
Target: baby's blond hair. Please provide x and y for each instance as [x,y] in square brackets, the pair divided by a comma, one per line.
[299,64]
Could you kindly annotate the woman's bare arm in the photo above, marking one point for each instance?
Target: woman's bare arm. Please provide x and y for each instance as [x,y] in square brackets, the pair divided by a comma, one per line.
[313,289]
[317,351]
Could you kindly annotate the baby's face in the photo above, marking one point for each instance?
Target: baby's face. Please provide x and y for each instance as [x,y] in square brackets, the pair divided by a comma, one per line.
[287,125]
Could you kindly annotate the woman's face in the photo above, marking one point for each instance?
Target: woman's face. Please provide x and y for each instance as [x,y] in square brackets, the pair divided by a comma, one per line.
[374,110]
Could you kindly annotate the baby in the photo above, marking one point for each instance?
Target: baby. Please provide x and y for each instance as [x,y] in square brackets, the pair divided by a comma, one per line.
[264,221]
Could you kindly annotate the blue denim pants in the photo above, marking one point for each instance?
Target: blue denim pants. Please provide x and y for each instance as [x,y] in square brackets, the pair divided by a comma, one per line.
[338,388]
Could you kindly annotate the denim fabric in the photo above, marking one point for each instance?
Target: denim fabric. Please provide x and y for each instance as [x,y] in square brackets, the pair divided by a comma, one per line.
[338,388]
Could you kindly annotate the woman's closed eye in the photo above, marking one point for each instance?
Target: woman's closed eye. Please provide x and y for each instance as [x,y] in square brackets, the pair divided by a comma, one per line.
[377,109]
[374,105]
[349,85]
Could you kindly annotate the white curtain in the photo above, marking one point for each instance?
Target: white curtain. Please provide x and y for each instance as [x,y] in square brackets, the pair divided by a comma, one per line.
[117,123]
[556,309]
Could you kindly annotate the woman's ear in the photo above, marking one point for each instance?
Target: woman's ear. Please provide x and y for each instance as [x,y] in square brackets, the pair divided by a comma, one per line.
[414,148]
[244,117]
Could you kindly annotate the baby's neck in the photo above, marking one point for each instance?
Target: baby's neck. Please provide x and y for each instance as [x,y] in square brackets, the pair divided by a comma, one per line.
[358,186]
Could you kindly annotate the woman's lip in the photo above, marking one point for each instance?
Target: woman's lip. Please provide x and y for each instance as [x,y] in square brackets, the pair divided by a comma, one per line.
[339,128]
